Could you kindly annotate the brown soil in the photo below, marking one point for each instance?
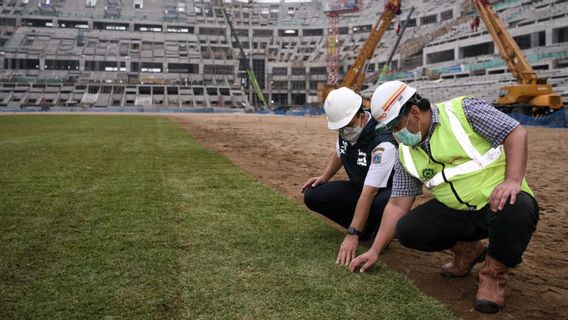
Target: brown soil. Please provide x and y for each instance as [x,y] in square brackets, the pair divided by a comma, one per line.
[286,151]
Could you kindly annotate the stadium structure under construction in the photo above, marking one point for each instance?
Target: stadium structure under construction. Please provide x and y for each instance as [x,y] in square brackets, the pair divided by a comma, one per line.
[179,54]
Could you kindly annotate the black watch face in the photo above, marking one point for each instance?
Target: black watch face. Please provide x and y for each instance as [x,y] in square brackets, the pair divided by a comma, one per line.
[352,231]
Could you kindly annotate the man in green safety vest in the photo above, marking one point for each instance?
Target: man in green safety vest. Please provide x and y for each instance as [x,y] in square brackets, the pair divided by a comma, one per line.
[473,159]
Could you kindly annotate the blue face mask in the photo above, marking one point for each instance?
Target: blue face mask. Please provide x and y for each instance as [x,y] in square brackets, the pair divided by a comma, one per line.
[408,138]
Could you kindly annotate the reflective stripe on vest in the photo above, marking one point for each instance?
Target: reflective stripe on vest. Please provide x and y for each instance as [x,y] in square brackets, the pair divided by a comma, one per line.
[410,162]
[467,167]
[478,161]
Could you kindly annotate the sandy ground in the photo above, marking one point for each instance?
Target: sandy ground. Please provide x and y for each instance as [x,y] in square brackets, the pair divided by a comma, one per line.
[284,152]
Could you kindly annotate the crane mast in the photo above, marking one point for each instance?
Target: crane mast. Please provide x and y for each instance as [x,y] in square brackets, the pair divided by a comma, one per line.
[356,74]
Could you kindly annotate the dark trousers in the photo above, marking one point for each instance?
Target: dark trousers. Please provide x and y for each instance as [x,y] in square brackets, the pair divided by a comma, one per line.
[435,227]
[337,200]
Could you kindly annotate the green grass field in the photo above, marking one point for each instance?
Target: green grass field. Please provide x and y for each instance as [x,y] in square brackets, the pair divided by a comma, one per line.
[124,217]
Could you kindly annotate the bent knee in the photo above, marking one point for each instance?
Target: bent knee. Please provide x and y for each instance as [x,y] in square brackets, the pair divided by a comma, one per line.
[405,234]
[310,199]
[411,235]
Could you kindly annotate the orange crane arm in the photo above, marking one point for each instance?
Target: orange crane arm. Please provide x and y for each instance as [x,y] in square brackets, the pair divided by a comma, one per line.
[356,74]
[508,48]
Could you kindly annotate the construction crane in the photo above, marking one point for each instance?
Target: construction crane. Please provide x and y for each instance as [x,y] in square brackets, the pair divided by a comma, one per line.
[386,67]
[356,74]
[245,62]
[334,10]
[530,92]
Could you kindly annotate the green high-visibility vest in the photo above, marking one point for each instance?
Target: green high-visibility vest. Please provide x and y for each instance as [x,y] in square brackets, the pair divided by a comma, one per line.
[464,168]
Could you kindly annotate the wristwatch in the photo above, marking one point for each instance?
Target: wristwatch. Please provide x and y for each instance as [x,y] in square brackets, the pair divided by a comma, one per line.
[353,231]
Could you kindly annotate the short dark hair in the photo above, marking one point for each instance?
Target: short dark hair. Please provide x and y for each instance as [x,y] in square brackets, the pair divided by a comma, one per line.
[422,103]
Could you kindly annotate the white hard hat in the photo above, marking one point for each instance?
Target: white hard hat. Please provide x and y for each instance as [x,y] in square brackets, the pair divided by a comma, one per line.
[340,106]
[388,99]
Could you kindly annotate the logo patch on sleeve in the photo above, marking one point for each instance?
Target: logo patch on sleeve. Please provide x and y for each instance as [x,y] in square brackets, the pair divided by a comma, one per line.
[377,154]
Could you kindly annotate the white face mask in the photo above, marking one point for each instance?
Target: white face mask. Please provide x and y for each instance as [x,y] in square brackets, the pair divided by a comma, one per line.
[351,134]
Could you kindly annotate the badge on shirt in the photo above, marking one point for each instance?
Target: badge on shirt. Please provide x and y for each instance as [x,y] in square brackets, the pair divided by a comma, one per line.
[377,154]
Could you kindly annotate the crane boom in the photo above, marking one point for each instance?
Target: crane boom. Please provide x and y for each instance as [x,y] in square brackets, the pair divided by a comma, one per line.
[356,74]
[508,48]
[250,73]
[386,67]
[530,90]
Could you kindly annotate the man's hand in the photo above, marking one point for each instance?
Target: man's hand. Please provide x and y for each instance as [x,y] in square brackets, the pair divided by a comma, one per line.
[347,249]
[367,259]
[313,182]
[501,194]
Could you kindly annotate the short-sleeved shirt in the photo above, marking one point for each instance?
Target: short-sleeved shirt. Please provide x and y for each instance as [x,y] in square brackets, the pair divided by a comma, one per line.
[383,158]
[485,120]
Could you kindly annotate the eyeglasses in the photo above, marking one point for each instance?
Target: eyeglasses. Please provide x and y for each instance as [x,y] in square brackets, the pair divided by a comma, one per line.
[388,126]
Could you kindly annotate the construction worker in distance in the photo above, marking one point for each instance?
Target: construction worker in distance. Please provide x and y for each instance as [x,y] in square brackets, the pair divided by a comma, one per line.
[473,159]
[368,158]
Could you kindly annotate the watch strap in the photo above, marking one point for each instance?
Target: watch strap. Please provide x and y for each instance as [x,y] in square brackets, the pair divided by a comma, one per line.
[353,231]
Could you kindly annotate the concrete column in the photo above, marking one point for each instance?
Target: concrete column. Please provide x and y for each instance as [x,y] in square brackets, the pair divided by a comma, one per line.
[549,36]
[289,90]
[307,82]
[41,63]
[269,83]
[534,40]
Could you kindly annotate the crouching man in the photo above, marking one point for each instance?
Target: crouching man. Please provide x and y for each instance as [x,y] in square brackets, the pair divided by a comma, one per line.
[473,158]
[368,157]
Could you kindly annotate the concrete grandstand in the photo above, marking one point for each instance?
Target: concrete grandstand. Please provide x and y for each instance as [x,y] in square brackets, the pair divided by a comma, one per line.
[179,54]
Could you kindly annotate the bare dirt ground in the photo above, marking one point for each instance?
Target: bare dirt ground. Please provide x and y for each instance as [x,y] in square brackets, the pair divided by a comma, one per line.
[284,152]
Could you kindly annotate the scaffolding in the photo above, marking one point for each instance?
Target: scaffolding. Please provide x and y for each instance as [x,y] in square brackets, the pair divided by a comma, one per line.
[333,11]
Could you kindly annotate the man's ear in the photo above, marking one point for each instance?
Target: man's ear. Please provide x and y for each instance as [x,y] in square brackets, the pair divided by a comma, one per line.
[415,110]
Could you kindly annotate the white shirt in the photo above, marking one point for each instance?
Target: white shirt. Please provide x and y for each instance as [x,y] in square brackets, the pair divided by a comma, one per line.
[383,158]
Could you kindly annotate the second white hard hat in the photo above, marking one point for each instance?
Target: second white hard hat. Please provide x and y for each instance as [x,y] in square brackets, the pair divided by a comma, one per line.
[388,99]
[340,106]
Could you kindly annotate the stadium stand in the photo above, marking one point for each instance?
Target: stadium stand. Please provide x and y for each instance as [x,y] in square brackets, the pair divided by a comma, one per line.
[179,55]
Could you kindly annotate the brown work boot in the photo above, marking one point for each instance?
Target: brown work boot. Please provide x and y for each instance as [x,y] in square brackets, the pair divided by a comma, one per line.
[490,296]
[466,255]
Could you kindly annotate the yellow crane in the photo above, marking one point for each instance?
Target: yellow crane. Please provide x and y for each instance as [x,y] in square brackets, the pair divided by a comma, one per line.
[356,74]
[530,90]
